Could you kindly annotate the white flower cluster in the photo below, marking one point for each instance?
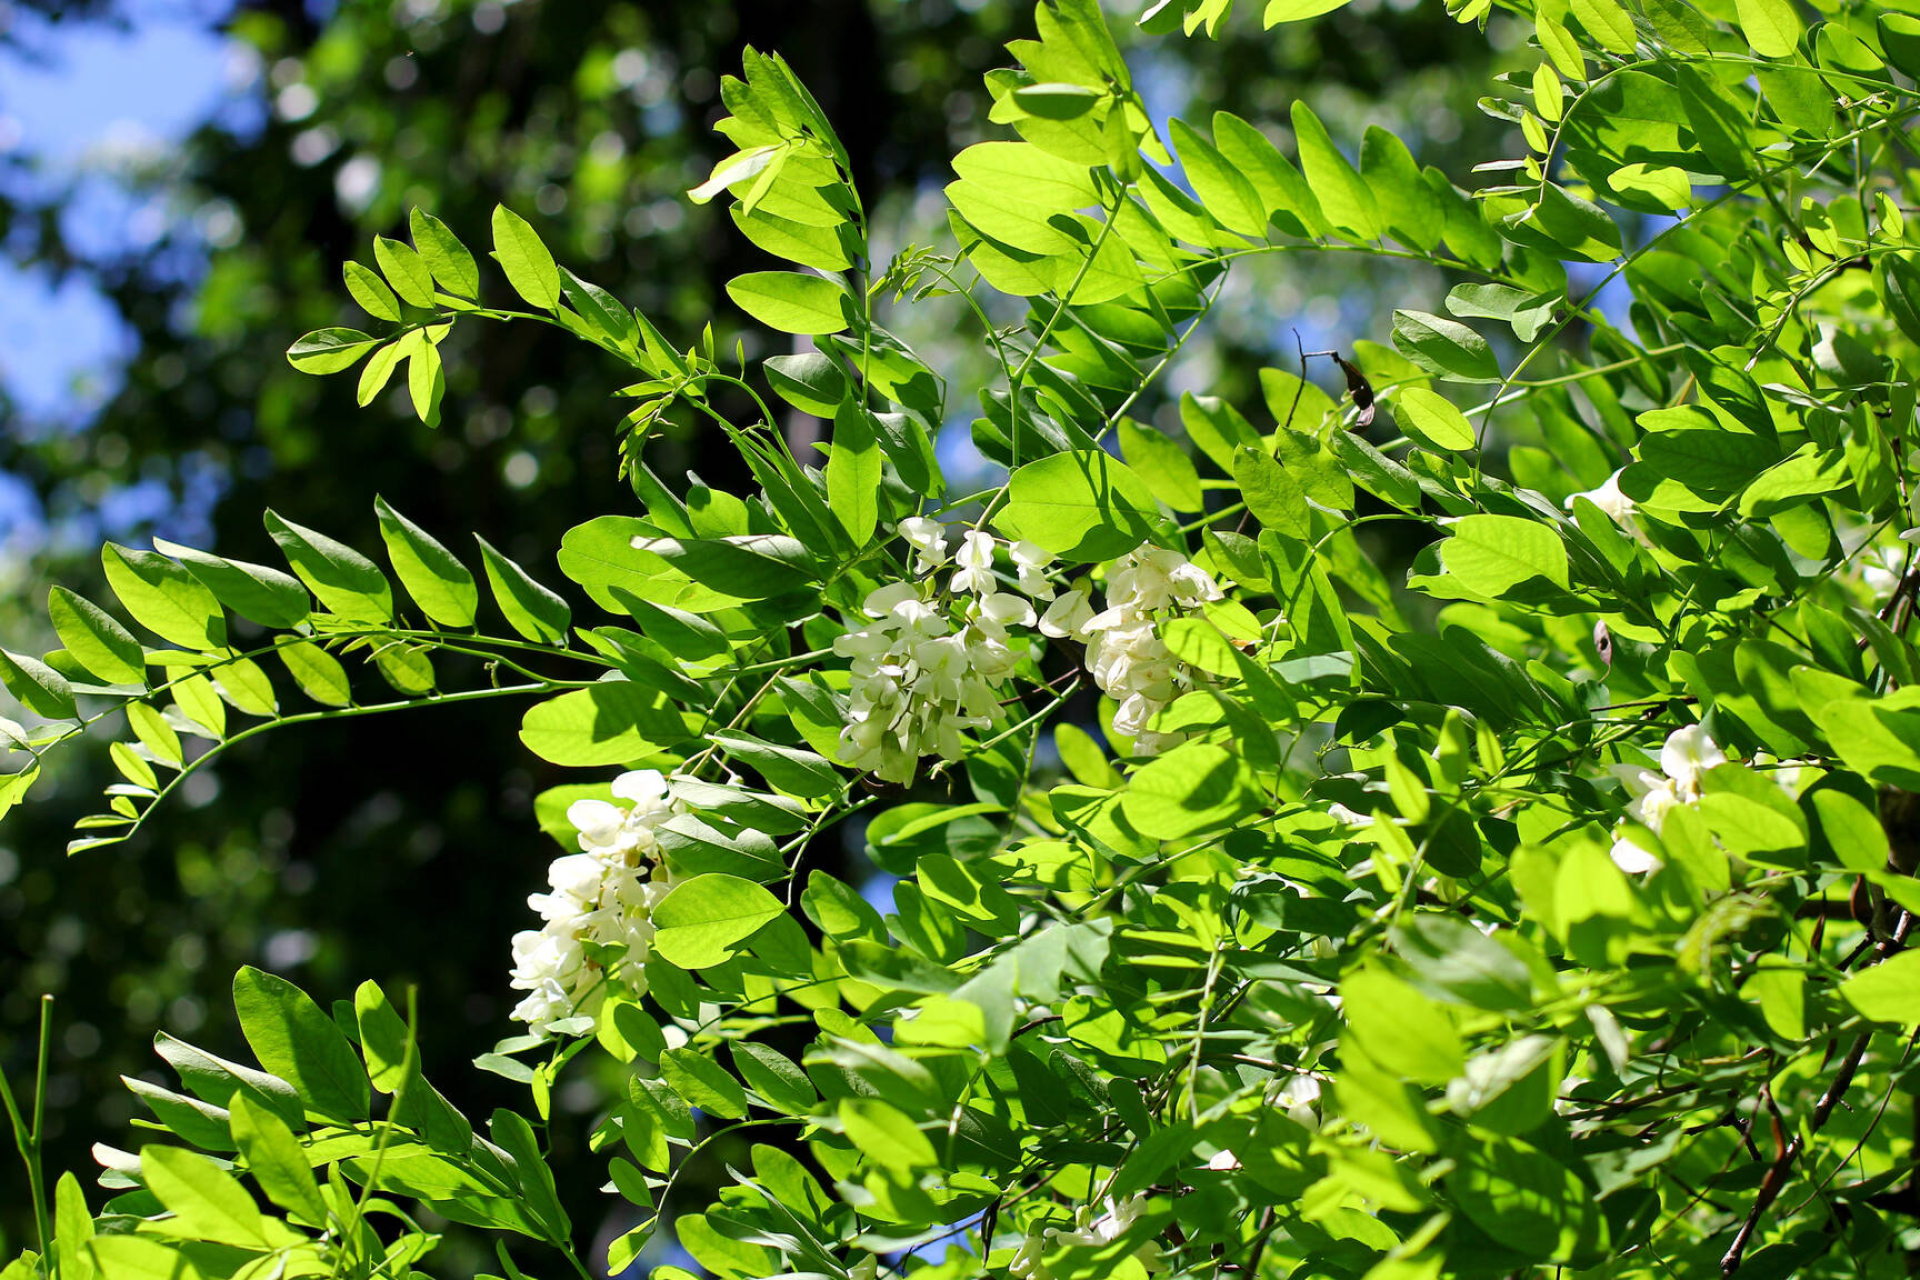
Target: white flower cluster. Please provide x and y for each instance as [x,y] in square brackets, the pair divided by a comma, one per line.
[920,680]
[1125,653]
[1684,760]
[1029,1262]
[604,896]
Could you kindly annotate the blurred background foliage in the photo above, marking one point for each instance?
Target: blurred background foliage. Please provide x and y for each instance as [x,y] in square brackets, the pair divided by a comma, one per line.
[403,849]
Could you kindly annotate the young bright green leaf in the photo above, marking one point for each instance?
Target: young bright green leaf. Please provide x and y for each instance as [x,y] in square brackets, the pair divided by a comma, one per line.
[774,1076]
[450,261]
[792,302]
[885,1136]
[1290,202]
[1401,1029]
[374,378]
[1164,466]
[1492,555]
[1194,789]
[164,597]
[257,593]
[1344,196]
[853,472]
[317,672]
[38,687]
[703,921]
[1888,991]
[294,1040]
[1227,194]
[345,581]
[404,271]
[531,609]
[155,734]
[704,1083]
[426,381]
[371,292]
[1444,347]
[1081,505]
[1434,420]
[1272,493]
[95,639]
[437,581]
[72,1228]
[329,350]
[525,259]
[608,723]
[1057,101]
[276,1161]
[206,1202]
[516,1137]
[1607,21]
[1771,27]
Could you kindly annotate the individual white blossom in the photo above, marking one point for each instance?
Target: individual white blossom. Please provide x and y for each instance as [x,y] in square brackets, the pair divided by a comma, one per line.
[1685,759]
[1300,1097]
[1030,561]
[976,564]
[602,896]
[928,539]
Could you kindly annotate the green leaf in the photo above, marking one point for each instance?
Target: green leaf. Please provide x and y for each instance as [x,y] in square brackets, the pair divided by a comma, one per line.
[809,381]
[370,291]
[1888,991]
[1401,1029]
[141,1258]
[1057,101]
[207,1203]
[1444,347]
[405,271]
[702,921]
[317,672]
[277,1162]
[95,640]
[885,1136]
[1081,505]
[1408,207]
[1222,189]
[792,301]
[346,582]
[165,598]
[520,253]
[1771,27]
[746,567]
[1433,420]
[294,1040]
[774,1076]
[155,733]
[1272,493]
[797,771]
[1492,555]
[1290,202]
[1344,196]
[516,1137]
[450,261]
[1194,789]
[72,1228]
[329,350]
[436,580]
[426,380]
[531,609]
[704,1083]
[1607,21]
[613,722]
[254,591]
[1165,467]
[854,473]
[384,1041]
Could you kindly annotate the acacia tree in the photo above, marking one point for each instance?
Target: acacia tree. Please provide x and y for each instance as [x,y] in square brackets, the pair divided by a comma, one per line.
[1536,907]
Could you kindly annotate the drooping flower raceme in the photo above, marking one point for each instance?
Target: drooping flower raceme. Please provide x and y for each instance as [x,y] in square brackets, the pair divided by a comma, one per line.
[601,897]
[1684,761]
[1125,652]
